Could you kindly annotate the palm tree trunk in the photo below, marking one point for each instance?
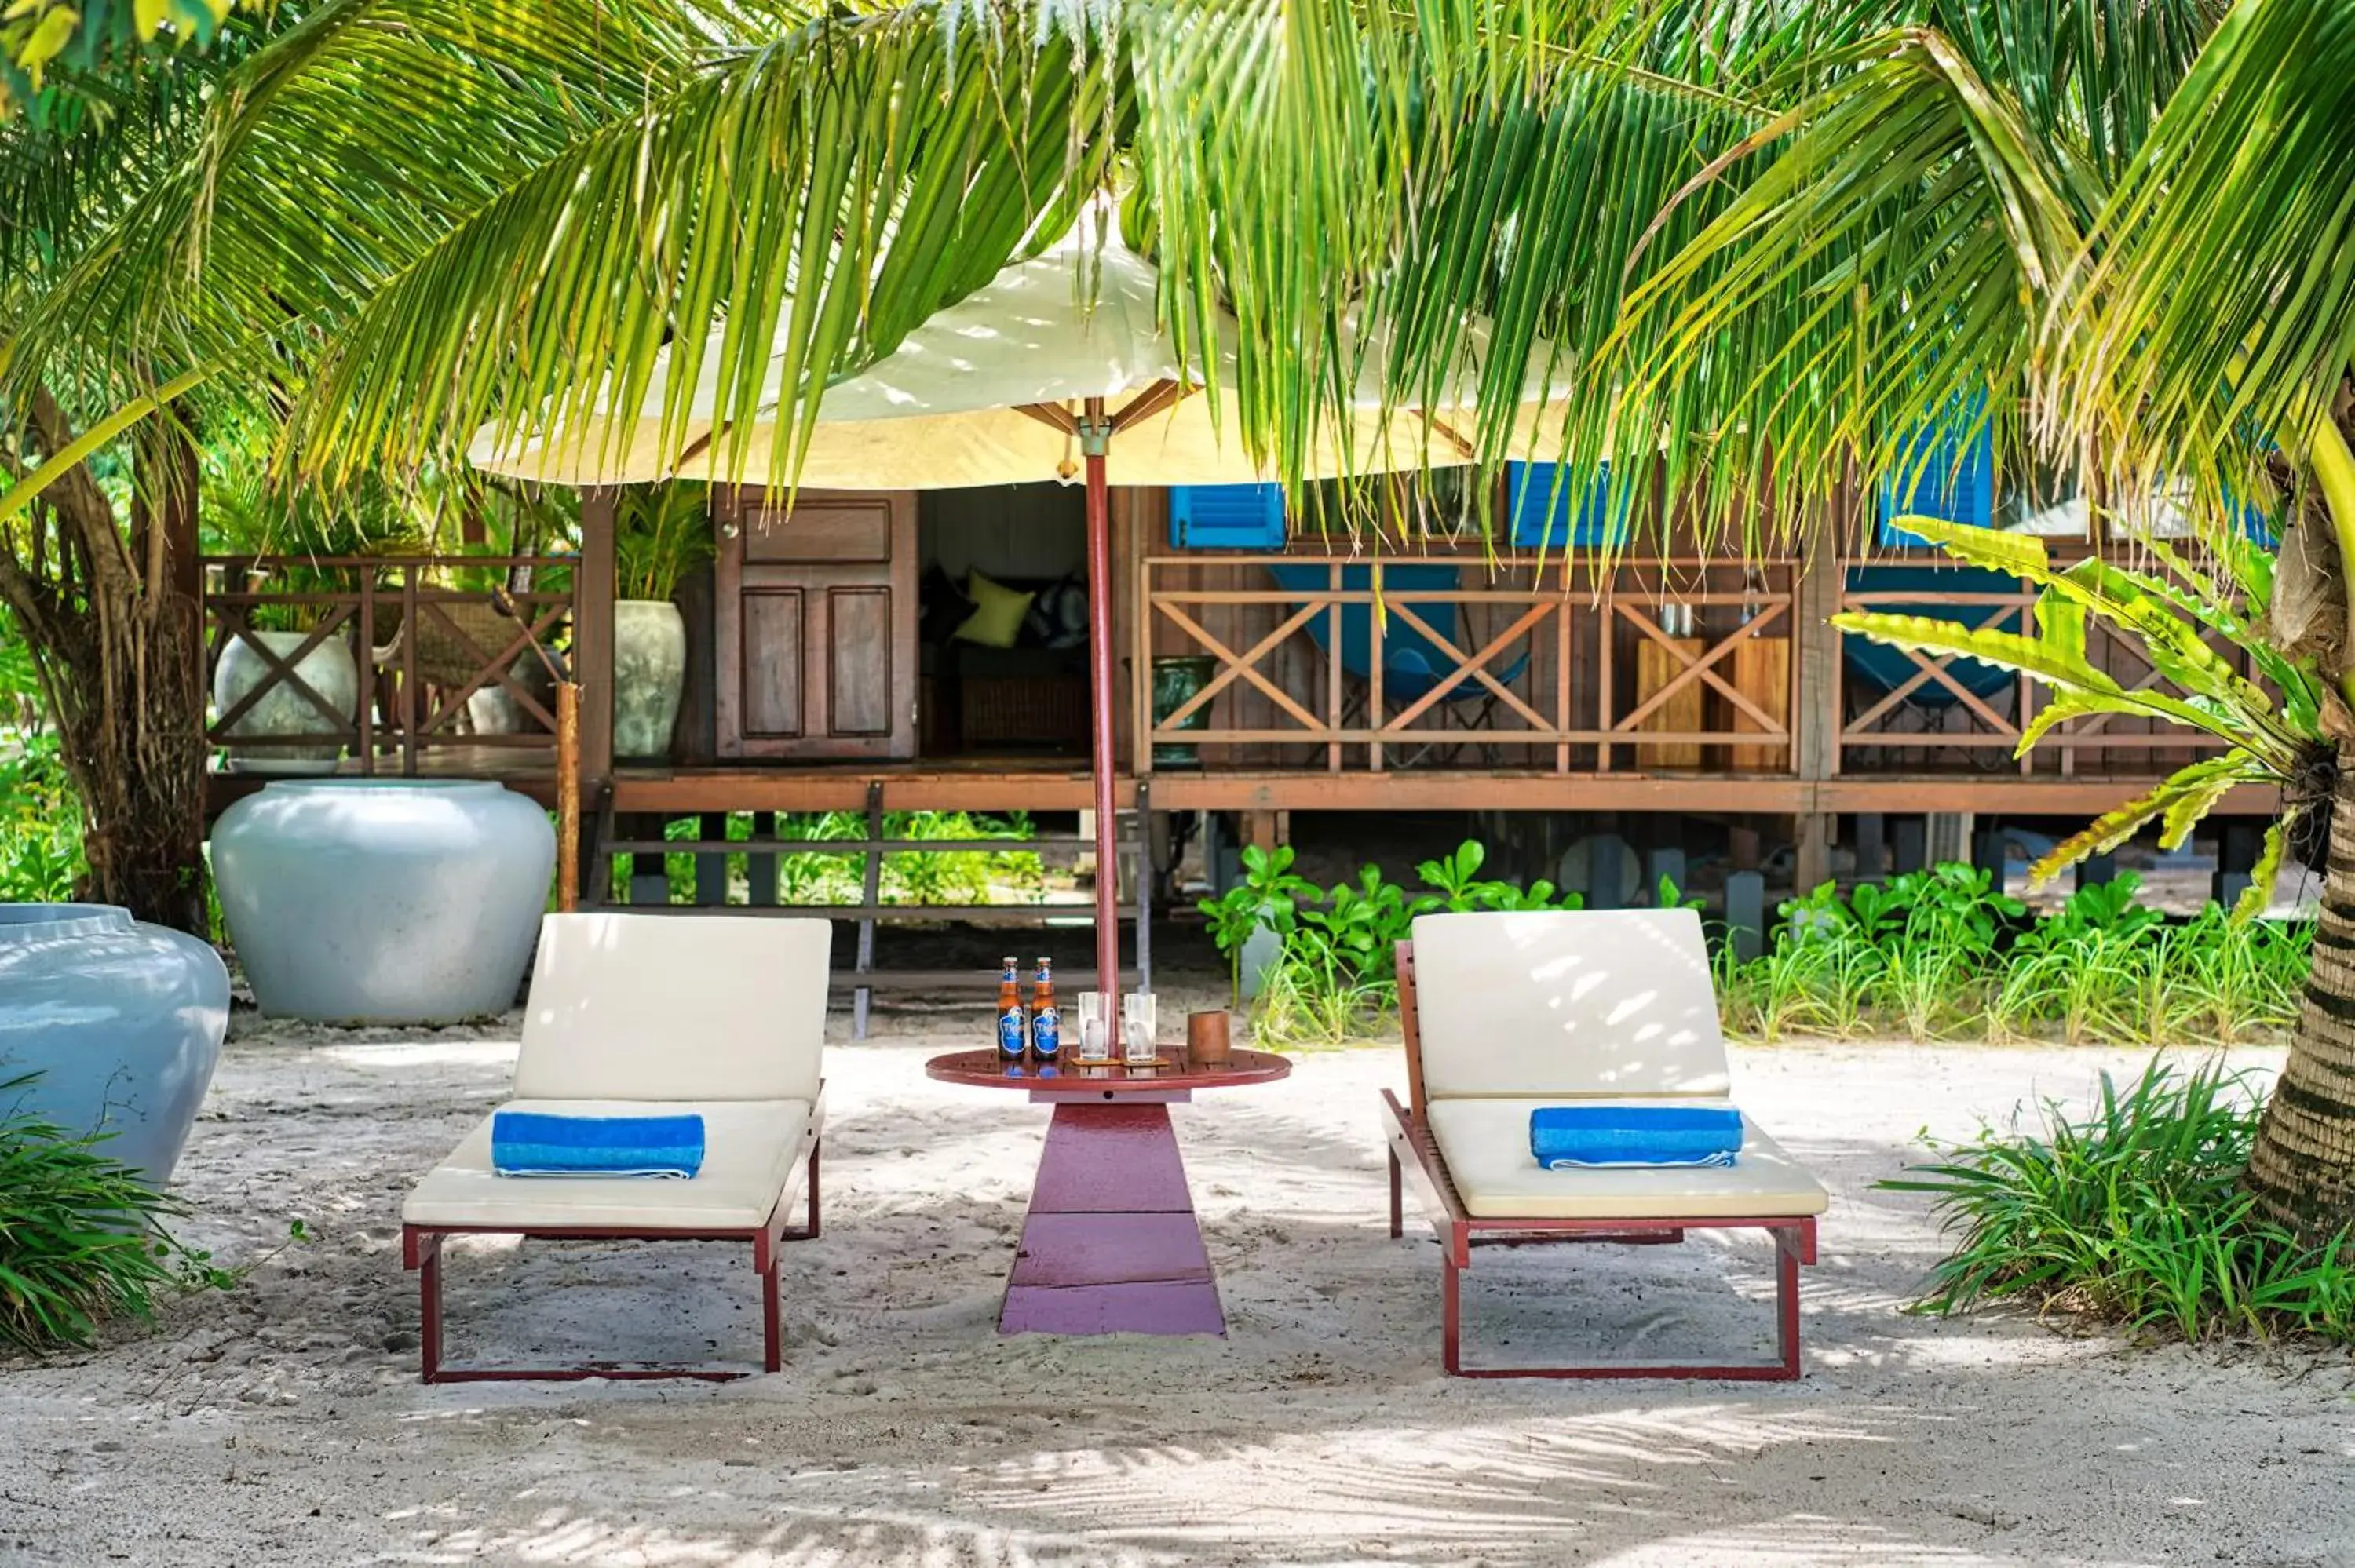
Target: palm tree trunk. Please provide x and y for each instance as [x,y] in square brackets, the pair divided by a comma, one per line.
[2302,1169]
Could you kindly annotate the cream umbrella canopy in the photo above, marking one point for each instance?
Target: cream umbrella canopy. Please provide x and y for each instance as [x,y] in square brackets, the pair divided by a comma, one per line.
[992,389]
[1035,376]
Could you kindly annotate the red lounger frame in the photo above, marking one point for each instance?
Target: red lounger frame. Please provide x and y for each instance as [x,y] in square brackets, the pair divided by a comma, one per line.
[1414,1150]
[421,1249]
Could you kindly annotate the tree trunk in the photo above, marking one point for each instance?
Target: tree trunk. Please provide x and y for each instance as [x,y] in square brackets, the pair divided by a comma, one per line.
[2302,1170]
[115,638]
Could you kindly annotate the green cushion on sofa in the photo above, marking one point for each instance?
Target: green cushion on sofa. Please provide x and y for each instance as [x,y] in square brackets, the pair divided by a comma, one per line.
[998,612]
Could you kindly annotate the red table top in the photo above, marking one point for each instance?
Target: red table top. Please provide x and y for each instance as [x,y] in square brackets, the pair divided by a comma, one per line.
[984,1069]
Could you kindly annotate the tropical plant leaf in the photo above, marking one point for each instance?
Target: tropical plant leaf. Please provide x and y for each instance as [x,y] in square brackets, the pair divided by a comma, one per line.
[2254,897]
[2031,656]
[2121,822]
[2020,554]
[2058,709]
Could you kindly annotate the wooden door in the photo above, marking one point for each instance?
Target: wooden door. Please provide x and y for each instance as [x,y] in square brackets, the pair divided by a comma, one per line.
[815,629]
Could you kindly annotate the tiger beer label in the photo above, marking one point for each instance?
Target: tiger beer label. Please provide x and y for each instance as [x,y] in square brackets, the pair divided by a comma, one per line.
[1011,1032]
[1047,1032]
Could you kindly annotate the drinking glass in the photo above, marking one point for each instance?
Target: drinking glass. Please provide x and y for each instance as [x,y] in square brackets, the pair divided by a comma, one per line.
[1096,1028]
[1139,1018]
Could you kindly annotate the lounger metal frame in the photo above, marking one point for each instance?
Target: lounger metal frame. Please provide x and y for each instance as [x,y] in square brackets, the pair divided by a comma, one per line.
[421,1249]
[1414,1150]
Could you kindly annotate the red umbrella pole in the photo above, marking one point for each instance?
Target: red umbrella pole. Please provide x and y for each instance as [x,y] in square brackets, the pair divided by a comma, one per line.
[1095,437]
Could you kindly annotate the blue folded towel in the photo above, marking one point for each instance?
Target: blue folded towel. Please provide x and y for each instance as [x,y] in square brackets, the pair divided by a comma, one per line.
[534,1143]
[1575,1138]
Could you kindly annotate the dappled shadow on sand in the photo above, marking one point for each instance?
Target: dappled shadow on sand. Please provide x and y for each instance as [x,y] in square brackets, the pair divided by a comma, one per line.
[905,1430]
[1321,1431]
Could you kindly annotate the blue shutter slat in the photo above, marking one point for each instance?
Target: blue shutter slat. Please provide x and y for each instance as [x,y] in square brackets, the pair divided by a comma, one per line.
[1571,516]
[1941,477]
[1226,516]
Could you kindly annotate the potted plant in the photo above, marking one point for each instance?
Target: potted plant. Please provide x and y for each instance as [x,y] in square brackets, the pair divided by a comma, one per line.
[282,709]
[1176,679]
[246,515]
[508,524]
[660,534]
[1252,920]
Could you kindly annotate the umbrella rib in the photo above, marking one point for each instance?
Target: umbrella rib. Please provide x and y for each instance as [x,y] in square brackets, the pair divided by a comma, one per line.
[1161,394]
[1054,416]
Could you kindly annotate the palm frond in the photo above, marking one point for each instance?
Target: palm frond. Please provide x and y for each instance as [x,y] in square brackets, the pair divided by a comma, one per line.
[2218,310]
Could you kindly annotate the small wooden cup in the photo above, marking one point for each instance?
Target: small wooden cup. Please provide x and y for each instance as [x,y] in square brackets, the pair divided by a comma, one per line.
[1206,1039]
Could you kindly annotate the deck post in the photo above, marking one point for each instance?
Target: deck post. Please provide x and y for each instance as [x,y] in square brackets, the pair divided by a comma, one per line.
[568,797]
[2238,844]
[593,586]
[1870,847]
[1815,734]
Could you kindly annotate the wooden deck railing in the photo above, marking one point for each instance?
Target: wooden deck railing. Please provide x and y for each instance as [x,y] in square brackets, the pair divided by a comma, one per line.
[423,648]
[1936,718]
[1654,666]
[1562,667]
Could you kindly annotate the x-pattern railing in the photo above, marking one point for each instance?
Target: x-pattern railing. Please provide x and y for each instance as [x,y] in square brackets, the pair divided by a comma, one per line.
[1539,677]
[1882,720]
[420,645]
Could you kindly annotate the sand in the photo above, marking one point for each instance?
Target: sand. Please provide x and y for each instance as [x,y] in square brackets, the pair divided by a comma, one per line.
[283,1424]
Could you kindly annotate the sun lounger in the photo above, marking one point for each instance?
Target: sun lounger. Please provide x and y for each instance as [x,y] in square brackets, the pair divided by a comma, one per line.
[1508,1012]
[643,1015]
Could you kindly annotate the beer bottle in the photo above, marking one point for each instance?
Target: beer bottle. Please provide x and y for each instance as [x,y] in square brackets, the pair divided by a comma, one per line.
[1046,1018]
[1013,1027]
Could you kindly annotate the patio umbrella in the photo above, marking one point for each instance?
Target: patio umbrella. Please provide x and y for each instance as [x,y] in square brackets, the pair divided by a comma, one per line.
[1030,377]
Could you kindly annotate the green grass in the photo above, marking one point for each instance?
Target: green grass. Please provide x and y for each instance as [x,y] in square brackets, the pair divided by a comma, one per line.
[1942,956]
[2131,1213]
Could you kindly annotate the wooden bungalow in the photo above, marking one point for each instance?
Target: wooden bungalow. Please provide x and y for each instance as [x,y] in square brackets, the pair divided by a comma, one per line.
[1534,680]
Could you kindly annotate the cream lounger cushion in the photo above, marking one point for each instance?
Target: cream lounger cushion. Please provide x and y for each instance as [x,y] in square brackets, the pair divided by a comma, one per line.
[657,1015]
[675,1007]
[1568,1004]
[749,1149]
[1486,1145]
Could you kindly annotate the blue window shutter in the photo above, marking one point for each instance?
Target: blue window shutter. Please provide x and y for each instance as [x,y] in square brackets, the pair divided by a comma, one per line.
[1226,516]
[1941,477]
[1545,516]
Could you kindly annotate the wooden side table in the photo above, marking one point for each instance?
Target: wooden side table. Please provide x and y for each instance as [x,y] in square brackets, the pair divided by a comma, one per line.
[1111,1244]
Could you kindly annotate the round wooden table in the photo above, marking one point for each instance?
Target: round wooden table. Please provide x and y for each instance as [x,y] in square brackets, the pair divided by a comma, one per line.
[1111,1245]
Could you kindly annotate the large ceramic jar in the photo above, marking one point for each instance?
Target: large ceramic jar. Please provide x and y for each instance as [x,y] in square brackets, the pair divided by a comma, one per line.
[1176,679]
[282,709]
[384,900]
[123,1021]
[649,673]
[493,709]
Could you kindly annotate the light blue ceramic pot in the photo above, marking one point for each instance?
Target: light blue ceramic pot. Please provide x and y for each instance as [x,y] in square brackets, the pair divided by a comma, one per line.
[123,1021]
[384,900]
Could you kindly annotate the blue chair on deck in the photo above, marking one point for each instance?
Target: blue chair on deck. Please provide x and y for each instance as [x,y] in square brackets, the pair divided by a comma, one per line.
[1413,665]
[1950,474]
[1879,669]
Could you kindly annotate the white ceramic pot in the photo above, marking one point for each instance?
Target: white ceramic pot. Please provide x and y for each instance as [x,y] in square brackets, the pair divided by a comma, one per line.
[384,900]
[282,710]
[121,1022]
[491,709]
[649,673]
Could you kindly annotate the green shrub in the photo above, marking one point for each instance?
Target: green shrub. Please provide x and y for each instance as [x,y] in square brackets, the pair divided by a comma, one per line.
[41,825]
[2131,1213]
[1335,976]
[82,1237]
